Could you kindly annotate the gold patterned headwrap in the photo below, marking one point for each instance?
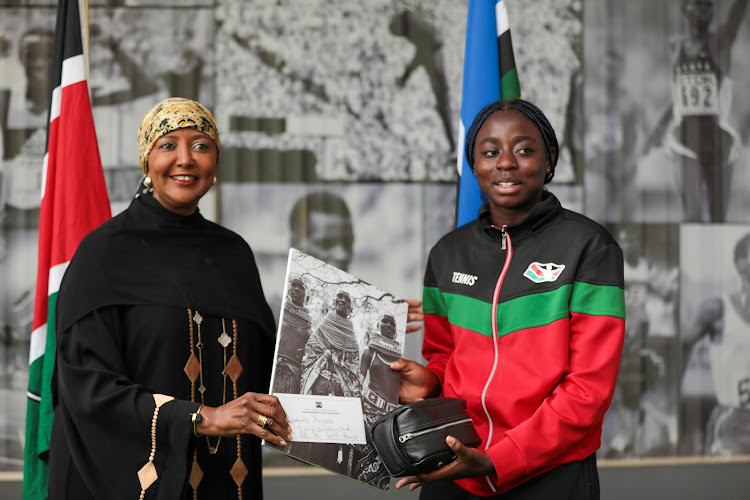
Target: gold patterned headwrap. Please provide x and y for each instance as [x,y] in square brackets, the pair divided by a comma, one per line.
[172,114]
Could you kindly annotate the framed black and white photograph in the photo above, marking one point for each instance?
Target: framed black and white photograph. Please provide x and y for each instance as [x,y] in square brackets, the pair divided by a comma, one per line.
[642,420]
[26,43]
[337,338]
[18,252]
[665,115]
[715,320]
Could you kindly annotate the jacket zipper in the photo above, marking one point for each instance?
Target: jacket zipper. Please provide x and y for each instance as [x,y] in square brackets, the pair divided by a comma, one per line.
[411,435]
[508,247]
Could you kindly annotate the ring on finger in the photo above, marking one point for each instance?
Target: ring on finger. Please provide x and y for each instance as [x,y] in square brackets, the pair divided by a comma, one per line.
[263,421]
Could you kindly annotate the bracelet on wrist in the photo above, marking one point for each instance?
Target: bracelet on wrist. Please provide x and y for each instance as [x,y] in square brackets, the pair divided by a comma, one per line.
[196,418]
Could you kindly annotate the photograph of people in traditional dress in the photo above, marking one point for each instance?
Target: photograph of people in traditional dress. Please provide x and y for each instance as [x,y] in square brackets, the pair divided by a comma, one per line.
[354,331]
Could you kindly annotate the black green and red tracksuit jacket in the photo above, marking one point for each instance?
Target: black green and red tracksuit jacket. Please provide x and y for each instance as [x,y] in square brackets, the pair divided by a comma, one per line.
[526,323]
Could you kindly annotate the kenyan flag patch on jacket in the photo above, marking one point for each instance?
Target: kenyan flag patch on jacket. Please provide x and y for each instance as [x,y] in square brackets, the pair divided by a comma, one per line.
[540,273]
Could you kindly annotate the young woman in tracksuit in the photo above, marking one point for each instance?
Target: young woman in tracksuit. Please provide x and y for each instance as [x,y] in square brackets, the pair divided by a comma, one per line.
[524,319]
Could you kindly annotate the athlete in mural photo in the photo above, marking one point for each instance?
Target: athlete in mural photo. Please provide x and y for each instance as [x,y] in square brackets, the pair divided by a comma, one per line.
[696,130]
[23,118]
[724,322]
[641,420]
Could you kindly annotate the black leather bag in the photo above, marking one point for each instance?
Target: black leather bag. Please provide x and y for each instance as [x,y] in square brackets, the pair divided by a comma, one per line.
[411,439]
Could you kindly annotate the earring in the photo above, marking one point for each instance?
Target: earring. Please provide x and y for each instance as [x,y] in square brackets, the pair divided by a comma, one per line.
[148,185]
[214,181]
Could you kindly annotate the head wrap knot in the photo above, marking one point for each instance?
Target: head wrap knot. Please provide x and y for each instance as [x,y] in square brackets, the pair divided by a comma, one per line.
[172,114]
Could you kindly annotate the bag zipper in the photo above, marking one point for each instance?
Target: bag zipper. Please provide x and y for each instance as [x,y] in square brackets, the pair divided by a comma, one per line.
[411,435]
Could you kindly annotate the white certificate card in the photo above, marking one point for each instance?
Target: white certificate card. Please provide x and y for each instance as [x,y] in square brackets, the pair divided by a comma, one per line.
[324,419]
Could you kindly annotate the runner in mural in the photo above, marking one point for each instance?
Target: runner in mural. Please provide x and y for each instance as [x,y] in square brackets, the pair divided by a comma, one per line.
[696,130]
[723,323]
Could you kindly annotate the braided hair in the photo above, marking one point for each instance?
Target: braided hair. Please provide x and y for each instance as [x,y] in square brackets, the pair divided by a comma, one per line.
[533,113]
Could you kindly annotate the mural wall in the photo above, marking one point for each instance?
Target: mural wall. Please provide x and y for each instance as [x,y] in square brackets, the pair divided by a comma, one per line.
[348,112]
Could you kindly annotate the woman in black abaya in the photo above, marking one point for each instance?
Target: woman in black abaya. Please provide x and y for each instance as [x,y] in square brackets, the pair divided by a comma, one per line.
[165,339]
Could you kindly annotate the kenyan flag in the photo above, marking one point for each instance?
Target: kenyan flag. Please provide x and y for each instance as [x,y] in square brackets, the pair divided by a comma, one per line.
[74,201]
